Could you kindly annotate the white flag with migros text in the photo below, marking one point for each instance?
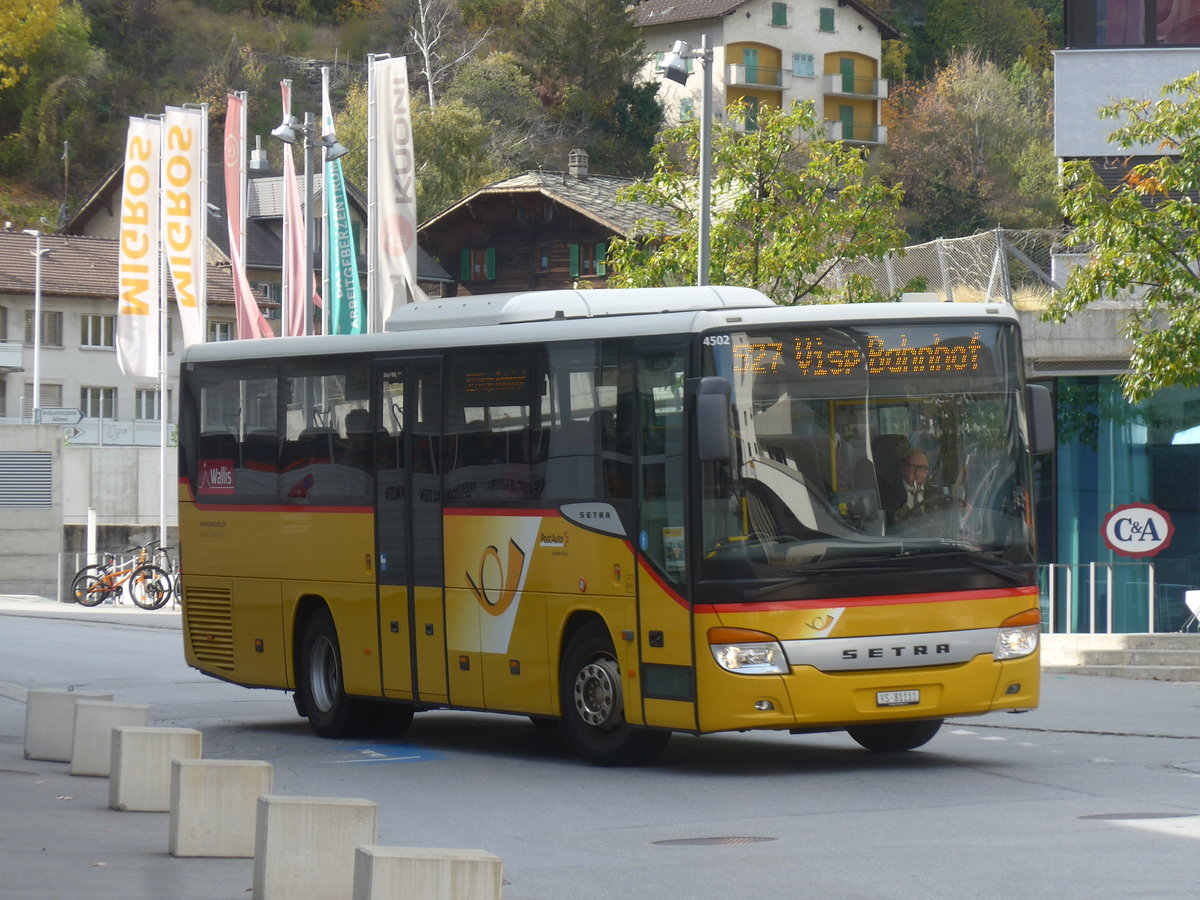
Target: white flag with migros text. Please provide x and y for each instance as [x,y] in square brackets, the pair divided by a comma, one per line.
[137,272]
[184,223]
[393,191]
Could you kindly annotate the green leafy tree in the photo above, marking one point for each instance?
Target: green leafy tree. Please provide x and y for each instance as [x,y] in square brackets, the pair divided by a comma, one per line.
[973,148]
[450,143]
[582,52]
[56,103]
[785,209]
[1002,31]
[22,27]
[1143,237]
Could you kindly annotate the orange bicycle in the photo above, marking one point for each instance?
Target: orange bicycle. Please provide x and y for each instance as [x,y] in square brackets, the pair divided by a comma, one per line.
[149,585]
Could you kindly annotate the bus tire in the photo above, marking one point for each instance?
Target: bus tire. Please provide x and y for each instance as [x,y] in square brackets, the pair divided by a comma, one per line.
[320,685]
[593,710]
[895,737]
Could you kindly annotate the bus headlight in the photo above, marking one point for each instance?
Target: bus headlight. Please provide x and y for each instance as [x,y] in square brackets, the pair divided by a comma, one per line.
[1018,635]
[747,652]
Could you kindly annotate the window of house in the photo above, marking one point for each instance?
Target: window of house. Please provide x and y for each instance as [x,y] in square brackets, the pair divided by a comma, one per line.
[687,109]
[542,261]
[3,323]
[827,19]
[97,402]
[220,331]
[587,259]
[51,328]
[3,397]
[803,65]
[97,331]
[779,15]
[146,405]
[477,264]
[49,395]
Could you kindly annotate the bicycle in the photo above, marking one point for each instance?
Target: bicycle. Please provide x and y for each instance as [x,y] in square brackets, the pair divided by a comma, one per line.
[149,585]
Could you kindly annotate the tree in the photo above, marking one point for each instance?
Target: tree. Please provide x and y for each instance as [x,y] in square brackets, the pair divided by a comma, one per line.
[1002,31]
[973,149]
[785,210]
[1143,237]
[22,27]
[433,31]
[581,52]
[449,142]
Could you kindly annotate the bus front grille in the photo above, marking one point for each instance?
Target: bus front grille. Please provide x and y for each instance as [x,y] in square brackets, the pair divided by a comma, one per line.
[210,625]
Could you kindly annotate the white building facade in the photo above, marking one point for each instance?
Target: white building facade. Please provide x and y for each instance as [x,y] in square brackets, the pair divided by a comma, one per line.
[774,53]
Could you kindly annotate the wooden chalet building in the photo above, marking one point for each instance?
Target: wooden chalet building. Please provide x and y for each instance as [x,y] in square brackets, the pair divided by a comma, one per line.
[535,231]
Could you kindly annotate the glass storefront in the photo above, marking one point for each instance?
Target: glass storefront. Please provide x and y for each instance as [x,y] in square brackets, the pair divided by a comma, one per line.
[1111,453]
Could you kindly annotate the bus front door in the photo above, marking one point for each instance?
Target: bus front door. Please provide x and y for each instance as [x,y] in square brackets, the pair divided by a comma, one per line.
[408,529]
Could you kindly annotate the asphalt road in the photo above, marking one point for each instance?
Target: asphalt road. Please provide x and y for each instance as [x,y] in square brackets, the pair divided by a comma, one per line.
[1095,794]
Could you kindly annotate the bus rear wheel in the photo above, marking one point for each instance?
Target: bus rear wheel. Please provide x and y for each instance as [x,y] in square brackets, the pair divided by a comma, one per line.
[895,737]
[593,708]
[320,686]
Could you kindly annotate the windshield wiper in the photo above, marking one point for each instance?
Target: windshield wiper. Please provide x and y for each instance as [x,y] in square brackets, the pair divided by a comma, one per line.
[909,561]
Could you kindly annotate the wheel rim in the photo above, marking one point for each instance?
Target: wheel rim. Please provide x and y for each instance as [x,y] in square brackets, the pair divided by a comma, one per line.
[323,674]
[598,693]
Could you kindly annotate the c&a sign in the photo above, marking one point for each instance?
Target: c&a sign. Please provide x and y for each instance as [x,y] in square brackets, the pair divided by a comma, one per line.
[1138,529]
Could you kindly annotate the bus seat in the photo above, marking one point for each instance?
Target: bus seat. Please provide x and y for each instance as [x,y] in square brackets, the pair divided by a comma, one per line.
[219,445]
[888,450]
[260,451]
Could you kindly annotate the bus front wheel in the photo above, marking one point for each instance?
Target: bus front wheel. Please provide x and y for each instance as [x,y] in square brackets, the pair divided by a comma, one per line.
[895,737]
[593,708]
[320,687]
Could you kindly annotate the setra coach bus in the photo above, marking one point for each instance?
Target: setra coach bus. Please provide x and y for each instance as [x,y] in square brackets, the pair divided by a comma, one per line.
[633,512]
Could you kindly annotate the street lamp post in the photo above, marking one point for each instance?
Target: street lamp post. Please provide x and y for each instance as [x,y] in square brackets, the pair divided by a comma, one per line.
[291,131]
[675,68]
[38,253]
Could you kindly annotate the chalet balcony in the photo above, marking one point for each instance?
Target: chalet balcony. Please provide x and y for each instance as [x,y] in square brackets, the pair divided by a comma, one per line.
[856,133]
[10,356]
[864,88]
[760,77]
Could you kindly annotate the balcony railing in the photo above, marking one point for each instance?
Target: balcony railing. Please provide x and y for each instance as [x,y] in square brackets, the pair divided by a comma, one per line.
[856,132]
[10,356]
[856,86]
[754,76]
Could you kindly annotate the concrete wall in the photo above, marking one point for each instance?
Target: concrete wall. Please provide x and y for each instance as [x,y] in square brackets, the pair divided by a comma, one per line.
[30,539]
[1085,80]
[122,485]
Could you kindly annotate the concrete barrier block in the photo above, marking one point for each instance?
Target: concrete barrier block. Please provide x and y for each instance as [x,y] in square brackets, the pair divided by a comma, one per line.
[91,745]
[141,765]
[304,846]
[214,804]
[50,722]
[426,873]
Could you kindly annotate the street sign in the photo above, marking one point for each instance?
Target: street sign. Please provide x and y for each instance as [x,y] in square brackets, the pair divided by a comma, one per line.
[60,415]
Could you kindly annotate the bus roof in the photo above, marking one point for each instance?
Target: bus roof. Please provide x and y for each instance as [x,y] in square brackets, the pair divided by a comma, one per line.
[541,306]
[577,315]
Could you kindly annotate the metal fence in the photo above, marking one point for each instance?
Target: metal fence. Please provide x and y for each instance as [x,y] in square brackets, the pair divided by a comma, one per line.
[1110,598]
[1002,264]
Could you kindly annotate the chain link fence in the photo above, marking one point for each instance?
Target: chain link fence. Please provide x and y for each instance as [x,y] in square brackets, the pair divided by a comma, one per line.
[1002,264]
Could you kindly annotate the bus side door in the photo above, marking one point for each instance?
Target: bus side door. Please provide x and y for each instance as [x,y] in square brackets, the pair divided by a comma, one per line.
[408,529]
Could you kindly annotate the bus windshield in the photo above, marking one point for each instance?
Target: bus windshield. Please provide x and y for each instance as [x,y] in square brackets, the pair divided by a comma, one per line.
[868,452]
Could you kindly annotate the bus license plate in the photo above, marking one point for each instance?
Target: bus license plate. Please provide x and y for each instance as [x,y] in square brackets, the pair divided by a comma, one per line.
[897,698]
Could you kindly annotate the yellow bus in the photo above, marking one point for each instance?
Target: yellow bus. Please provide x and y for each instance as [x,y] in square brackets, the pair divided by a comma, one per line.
[631,512]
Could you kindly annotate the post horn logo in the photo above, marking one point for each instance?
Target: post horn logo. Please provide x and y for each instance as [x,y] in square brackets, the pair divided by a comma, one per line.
[497,585]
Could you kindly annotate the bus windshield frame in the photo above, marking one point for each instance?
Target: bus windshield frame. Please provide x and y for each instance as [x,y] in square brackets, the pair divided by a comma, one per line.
[867,459]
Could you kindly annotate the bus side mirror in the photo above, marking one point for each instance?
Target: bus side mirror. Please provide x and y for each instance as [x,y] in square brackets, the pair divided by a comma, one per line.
[712,419]
[1040,409]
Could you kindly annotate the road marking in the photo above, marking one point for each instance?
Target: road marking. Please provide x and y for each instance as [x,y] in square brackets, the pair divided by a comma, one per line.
[1188,826]
[383,754]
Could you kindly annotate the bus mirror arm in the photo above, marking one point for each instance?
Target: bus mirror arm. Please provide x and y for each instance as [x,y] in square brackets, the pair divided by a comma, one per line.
[1040,409]
[711,395]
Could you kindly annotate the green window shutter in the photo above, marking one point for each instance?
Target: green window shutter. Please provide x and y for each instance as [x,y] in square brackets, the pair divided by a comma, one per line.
[847,70]
[464,265]
[826,19]
[574,260]
[601,268]
[779,14]
[489,263]
[750,61]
